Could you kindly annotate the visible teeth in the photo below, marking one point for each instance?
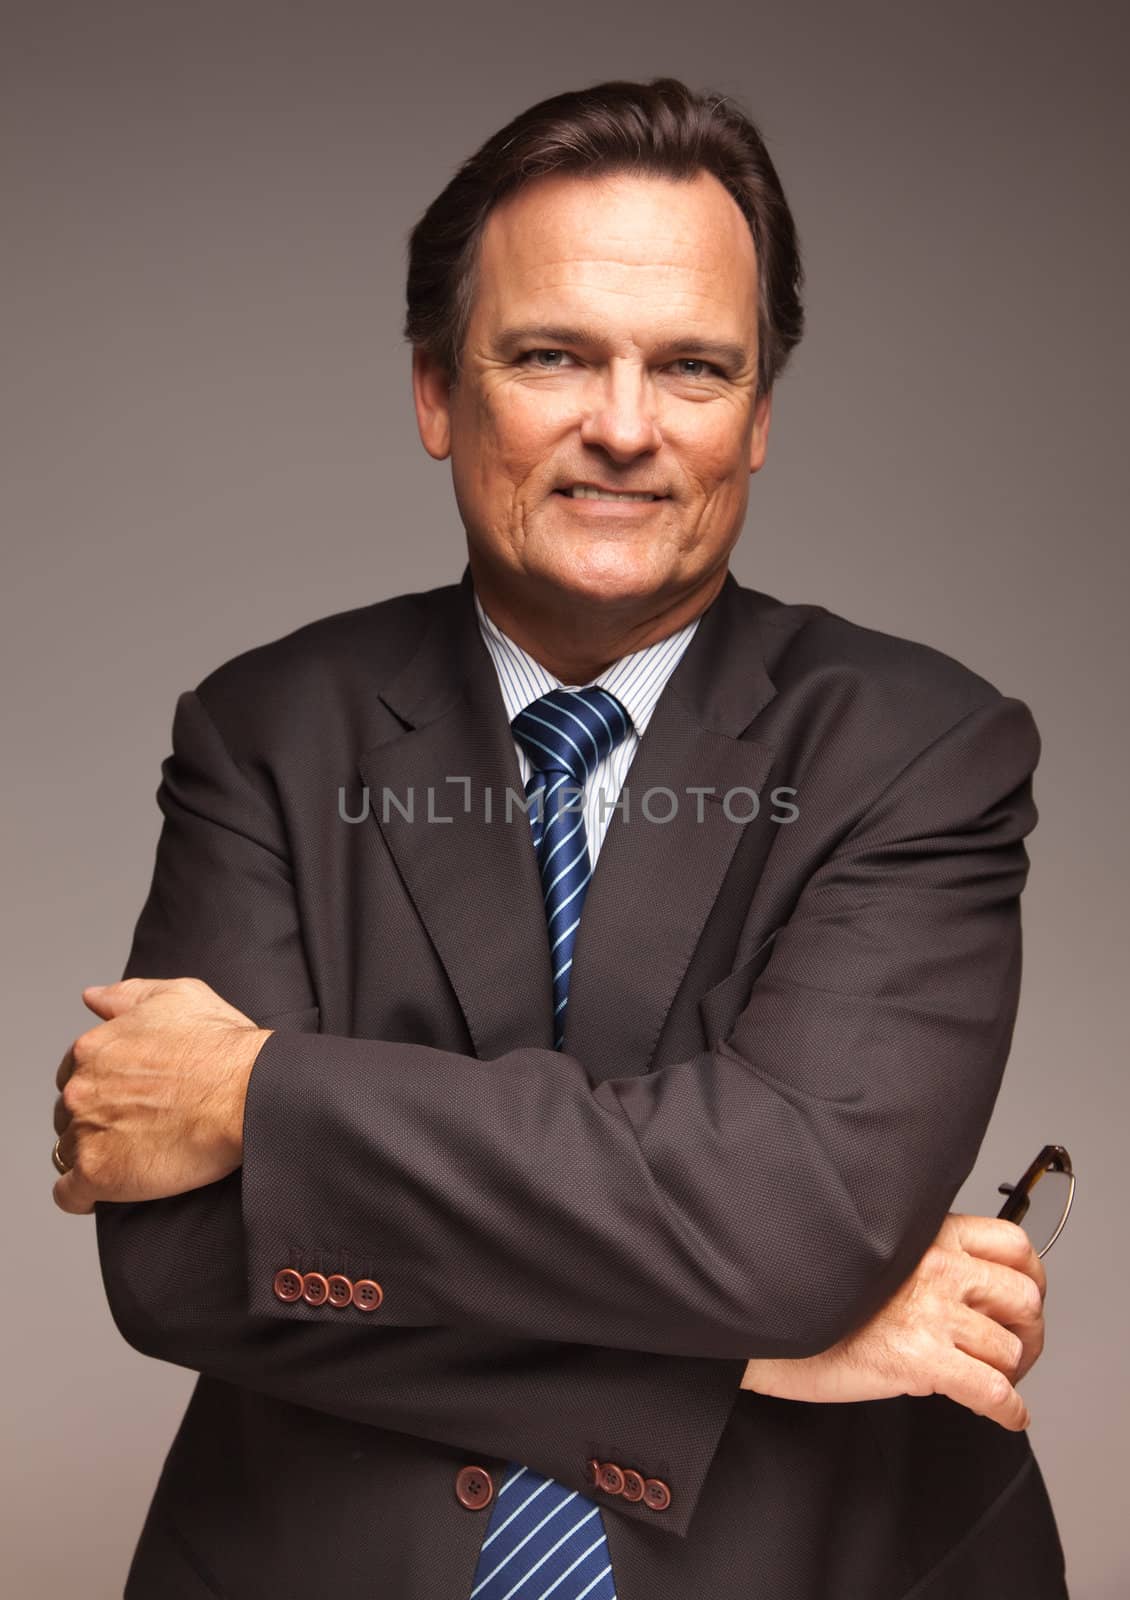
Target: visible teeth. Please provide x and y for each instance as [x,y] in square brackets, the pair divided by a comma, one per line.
[581,491]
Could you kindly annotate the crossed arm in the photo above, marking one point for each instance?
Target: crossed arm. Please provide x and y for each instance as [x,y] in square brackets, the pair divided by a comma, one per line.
[157,1097]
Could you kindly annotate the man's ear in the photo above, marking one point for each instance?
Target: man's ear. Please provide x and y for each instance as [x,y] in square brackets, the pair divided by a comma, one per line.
[760,440]
[432,394]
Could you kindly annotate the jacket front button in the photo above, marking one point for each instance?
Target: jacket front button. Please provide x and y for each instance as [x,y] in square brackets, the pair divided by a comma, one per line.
[656,1494]
[288,1284]
[474,1488]
[315,1289]
[340,1290]
[633,1486]
[611,1479]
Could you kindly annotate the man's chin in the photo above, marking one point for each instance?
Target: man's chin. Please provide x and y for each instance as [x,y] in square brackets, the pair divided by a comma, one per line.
[595,582]
[600,570]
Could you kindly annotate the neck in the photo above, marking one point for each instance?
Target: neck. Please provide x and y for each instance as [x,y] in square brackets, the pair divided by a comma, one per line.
[576,641]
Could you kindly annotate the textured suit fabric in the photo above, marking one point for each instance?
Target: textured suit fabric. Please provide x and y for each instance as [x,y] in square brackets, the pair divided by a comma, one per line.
[767,1098]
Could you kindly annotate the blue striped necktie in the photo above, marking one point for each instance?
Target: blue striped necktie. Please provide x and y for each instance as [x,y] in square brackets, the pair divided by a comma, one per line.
[544,1541]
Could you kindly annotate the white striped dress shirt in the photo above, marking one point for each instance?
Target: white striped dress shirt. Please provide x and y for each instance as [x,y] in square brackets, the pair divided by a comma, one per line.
[637,681]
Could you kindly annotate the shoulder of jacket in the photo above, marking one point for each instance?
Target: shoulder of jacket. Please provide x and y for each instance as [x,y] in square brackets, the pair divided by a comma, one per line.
[314,671]
[812,645]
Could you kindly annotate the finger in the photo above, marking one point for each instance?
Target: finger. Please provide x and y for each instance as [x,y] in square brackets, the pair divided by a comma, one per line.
[68,1146]
[62,1115]
[1009,1301]
[111,999]
[996,1239]
[66,1067]
[1002,1292]
[1033,1342]
[1011,1350]
[982,1389]
[73,1191]
[70,1195]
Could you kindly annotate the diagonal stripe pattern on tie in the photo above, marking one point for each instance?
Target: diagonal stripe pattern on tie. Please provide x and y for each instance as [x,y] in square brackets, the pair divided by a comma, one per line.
[566,734]
[544,1541]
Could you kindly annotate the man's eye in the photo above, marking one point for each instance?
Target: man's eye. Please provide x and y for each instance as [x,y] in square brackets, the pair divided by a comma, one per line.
[552,367]
[531,358]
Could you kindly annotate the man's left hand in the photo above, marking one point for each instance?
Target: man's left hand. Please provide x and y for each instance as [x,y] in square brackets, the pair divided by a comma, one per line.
[152,1097]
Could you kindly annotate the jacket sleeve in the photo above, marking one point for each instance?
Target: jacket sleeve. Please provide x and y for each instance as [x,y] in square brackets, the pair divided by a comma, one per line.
[762,1198]
[759,1199]
[222,907]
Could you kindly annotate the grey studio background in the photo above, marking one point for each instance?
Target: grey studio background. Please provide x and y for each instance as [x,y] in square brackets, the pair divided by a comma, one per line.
[208,439]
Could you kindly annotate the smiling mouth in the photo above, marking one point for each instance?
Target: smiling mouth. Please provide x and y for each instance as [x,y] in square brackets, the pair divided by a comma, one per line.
[612,496]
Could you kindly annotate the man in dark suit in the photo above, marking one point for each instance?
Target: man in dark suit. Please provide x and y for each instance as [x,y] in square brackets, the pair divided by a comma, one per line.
[537,1254]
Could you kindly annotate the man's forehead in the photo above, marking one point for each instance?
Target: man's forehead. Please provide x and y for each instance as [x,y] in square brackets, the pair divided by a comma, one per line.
[645,221]
[547,250]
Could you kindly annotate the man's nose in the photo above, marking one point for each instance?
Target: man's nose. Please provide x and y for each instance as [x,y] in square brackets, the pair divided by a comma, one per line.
[620,411]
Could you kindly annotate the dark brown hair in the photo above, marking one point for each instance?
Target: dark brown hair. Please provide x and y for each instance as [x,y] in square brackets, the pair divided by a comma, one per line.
[660,127]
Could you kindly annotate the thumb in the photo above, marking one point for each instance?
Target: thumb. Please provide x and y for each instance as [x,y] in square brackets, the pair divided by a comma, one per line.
[108,1000]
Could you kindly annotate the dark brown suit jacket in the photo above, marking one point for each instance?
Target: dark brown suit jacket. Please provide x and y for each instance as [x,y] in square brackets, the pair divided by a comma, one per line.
[784,1041]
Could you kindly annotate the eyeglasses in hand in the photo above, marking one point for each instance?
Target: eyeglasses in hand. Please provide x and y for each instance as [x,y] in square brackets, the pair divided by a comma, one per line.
[1042,1199]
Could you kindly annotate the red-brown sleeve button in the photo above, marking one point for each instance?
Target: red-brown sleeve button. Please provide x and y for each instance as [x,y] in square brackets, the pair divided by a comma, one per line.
[474,1488]
[592,1469]
[633,1486]
[656,1494]
[340,1289]
[288,1284]
[367,1295]
[611,1479]
[315,1289]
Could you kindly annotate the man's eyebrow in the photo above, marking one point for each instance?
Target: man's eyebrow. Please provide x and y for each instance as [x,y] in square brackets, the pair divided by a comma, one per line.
[554,336]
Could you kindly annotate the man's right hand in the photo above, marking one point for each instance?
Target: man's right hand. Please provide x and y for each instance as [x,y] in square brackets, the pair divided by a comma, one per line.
[967,1323]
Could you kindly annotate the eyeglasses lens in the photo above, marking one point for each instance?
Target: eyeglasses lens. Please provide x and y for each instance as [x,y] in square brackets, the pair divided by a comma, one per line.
[1047,1202]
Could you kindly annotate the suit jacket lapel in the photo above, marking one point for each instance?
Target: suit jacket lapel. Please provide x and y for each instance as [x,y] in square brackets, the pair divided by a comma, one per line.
[468,874]
[654,883]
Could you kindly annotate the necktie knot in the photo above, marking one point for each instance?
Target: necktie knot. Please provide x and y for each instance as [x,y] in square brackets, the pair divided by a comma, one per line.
[571,730]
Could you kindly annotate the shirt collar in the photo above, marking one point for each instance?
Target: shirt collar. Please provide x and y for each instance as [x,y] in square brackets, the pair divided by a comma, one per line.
[637,680]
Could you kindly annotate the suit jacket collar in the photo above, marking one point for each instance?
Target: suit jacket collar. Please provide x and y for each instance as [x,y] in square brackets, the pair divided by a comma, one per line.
[654,882]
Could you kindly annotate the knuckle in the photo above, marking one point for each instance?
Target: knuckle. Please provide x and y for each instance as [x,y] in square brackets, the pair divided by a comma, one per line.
[71,1099]
[1019,1294]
